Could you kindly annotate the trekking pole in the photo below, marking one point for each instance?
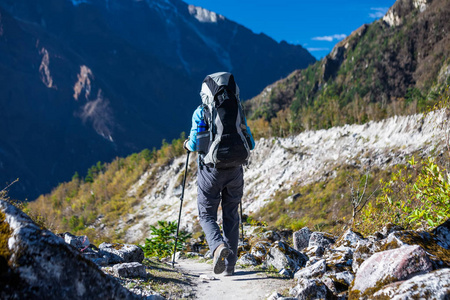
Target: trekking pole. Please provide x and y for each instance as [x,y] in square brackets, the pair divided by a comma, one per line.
[181,206]
[242,225]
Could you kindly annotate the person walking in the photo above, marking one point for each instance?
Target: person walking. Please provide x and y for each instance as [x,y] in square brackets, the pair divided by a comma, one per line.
[223,140]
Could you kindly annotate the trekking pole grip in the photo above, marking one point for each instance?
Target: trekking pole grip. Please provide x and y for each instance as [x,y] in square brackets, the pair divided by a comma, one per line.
[185,175]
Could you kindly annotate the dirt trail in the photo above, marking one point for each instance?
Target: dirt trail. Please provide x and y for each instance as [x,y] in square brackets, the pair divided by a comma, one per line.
[245,284]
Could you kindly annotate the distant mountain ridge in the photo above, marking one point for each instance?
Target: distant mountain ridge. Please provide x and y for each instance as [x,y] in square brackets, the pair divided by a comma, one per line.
[88,80]
[396,65]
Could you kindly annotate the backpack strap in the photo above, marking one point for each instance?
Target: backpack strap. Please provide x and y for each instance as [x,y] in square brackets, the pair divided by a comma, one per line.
[207,117]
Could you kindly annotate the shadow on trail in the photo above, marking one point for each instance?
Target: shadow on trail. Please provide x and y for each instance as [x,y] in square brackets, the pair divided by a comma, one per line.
[249,273]
[262,278]
[160,273]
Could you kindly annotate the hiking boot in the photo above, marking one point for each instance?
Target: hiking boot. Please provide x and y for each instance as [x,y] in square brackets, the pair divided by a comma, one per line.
[220,254]
[229,271]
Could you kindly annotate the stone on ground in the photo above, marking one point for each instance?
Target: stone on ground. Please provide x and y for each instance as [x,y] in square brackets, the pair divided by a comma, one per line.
[310,289]
[321,239]
[315,270]
[122,253]
[78,242]
[435,284]
[281,256]
[301,238]
[248,260]
[389,266]
[130,270]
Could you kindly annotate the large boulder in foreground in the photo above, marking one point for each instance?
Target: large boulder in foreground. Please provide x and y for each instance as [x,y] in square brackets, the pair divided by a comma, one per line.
[36,264]
[389,266]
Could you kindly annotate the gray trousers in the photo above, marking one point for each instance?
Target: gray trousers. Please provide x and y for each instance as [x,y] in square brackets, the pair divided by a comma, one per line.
[216,186]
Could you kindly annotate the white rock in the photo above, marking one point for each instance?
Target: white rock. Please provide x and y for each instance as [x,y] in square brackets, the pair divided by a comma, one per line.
[122,253]
[281,256]
[76,241]
[436,283]
[206,278]
[130,270]
[314,270]
[247,260]
[309,289]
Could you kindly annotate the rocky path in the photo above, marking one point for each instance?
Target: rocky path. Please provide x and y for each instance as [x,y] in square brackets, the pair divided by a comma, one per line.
[245,284]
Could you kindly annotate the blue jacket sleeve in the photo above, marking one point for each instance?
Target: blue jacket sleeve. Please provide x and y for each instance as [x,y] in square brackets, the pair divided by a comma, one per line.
[251,136]
[196,117]
[252,146]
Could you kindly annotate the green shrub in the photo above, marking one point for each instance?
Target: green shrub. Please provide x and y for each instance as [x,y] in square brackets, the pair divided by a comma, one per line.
[432,190]
[163,239]
[297,224]
[416,196]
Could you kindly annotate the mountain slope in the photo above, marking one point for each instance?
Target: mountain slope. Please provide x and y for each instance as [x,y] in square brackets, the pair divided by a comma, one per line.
[83,81]
[304,176]
[395,65]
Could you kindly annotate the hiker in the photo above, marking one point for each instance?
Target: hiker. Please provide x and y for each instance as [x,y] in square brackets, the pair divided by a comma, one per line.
[223,141]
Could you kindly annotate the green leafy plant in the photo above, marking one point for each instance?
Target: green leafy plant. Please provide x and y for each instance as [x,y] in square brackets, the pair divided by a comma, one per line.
[416,196]
[432,190]
[162,242]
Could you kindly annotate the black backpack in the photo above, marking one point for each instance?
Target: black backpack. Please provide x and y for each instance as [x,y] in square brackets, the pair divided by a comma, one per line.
[225,142]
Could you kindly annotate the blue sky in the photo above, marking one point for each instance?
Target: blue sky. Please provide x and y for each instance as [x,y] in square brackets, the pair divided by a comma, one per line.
[316,25]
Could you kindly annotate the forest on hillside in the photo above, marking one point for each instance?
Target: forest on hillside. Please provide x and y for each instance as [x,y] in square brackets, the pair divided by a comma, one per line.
[379,71]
